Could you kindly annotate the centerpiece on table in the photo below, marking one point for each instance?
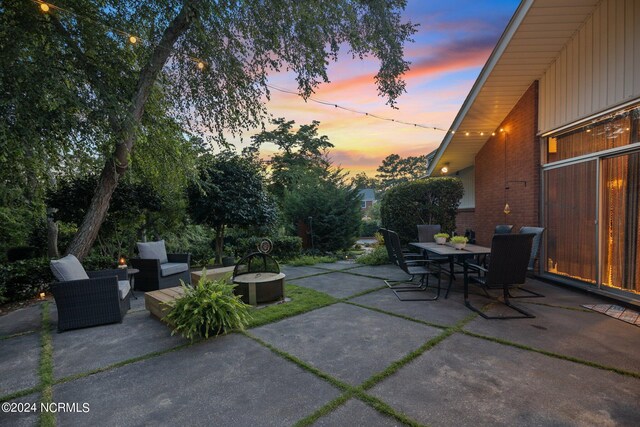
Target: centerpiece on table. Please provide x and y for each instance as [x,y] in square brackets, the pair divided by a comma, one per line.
[441,238]
[459,242]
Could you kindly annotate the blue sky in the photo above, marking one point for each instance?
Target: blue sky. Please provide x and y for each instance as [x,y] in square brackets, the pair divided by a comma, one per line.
[454,40]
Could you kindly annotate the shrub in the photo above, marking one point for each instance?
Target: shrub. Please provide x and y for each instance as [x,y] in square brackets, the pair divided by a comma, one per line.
[376,257]
[310,260]
[95,262]
[284,247]
[424,201]
[210,307]
[197,240]
[24,279]
[18,253]
[369,228]
[333,207]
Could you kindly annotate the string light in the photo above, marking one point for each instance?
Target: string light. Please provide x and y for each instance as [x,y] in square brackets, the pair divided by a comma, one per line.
[46,7]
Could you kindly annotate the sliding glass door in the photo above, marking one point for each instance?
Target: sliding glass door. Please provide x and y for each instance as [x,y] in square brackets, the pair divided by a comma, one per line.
[620,229]
[570,214]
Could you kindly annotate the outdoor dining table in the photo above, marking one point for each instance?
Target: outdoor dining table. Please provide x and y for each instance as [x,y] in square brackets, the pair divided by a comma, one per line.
[450,252]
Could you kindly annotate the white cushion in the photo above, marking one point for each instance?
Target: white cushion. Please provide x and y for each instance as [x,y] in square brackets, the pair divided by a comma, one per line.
[67,269]
[124,287]
[153,250]
[170,268]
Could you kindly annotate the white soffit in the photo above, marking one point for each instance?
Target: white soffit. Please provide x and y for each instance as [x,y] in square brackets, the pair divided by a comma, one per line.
[533,39]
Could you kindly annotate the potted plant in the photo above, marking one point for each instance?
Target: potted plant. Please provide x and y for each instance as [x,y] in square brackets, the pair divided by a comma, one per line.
[208,308]
[441,238]
[459,242]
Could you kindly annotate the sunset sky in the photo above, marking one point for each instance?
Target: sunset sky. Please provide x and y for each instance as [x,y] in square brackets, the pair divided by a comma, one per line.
[453,41]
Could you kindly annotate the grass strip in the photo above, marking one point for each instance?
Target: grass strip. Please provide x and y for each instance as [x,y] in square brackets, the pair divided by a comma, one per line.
[304,365]
[302,300]
[326,409]
[122,363]
[20,393]
[564,307]
[19,334]
[401,316]
[395,366]
[368,291]
[310,260]
[45,370]
[382,407]
[554,355]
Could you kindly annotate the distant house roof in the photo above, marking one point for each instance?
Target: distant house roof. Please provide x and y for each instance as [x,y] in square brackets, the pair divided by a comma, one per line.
[367,194]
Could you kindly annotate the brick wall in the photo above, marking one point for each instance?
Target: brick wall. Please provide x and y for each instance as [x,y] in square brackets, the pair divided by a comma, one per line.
[465,219]
[522,164]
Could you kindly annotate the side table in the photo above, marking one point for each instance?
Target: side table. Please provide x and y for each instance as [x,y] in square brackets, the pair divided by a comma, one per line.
[131,273]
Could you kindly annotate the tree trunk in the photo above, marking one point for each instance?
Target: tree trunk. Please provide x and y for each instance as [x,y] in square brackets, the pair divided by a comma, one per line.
[219,243]
[52,236]
[118,163]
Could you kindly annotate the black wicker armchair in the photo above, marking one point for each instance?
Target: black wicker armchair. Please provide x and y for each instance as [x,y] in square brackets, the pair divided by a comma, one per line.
[97,300]
[155,275]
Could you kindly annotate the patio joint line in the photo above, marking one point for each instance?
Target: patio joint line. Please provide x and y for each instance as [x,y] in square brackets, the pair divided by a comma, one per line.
[596,365]
[365,292]
[348,389]
[583,310]
[120,364]
[311,275]
[20,334]
[401,316]
[45,370]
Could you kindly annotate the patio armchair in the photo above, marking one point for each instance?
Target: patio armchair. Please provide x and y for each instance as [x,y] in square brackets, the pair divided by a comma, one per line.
[415,267]
[158,269]
[510,255]
[408,255]
[90,298]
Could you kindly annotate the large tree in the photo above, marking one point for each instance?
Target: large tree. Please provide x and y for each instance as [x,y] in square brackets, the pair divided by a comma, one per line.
[228,193]
[395,170]
[208,59]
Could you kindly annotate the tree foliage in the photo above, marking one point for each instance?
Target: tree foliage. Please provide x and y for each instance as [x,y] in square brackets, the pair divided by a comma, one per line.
[92,87]
[395,170]
[229,193]
[424,201]
[333,206]
[302,153]
[362,181]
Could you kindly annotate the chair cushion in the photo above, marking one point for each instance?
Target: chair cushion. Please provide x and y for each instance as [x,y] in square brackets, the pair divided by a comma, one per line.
[124,287]
[67,269]
[153,250]
[170,268]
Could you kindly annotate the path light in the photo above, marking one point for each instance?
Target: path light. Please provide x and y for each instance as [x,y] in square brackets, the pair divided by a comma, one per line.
[42,295]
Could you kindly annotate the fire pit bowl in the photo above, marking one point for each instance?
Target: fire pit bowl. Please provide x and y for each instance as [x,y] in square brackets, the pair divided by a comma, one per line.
[258,279]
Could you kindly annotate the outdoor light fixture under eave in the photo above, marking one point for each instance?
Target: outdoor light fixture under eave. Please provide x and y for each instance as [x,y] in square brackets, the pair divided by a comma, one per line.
[445,169]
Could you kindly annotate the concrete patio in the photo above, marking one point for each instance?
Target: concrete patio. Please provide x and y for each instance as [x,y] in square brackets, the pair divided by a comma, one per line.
[369,359]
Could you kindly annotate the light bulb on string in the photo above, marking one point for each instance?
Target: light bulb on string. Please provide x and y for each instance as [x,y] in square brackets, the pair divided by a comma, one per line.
[200,65]
[44,7]
[133,39]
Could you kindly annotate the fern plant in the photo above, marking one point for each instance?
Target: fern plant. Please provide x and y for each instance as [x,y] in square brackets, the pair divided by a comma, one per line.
[208,308]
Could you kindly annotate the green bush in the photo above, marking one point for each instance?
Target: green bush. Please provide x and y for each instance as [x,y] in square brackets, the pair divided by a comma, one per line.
[424,201]
[369,228]
[333,207]
[310,260]
[25,279]
[197,240]
[376,257]
[284,247]
[208,308]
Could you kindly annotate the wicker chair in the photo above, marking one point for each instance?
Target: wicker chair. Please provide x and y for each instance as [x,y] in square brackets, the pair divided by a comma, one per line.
[510,255]
[151,276]
[97,300]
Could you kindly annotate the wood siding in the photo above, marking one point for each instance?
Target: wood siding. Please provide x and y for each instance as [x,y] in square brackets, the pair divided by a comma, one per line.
[597,69]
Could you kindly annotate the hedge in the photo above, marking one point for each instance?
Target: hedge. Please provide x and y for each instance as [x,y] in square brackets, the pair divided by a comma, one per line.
[424,201]
[284,247]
